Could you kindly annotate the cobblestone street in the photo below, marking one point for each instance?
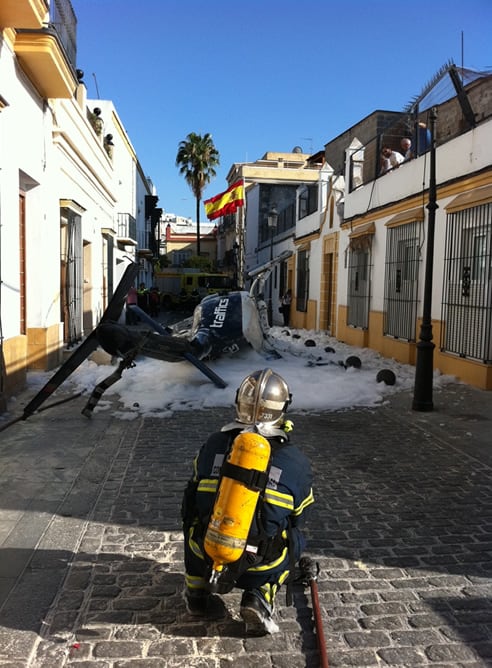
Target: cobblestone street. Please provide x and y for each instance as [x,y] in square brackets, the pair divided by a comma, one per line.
[91,570]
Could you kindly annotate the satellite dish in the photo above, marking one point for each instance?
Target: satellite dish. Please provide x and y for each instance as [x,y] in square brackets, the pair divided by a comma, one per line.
[297,149]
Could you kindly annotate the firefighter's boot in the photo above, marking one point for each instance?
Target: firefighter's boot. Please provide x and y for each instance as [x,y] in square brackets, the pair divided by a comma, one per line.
[257,614]
[201,603]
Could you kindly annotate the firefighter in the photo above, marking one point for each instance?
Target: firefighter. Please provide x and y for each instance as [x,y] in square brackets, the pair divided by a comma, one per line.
[274,541]
[143,297]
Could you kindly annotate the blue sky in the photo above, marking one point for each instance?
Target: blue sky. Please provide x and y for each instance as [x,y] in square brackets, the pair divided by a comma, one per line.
[264,75]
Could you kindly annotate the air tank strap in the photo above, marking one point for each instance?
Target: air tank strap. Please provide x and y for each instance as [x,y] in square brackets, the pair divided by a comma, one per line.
[252,478]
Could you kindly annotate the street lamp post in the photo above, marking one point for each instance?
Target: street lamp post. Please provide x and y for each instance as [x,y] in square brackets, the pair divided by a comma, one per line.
[235,259]
[422,396]
[272,225]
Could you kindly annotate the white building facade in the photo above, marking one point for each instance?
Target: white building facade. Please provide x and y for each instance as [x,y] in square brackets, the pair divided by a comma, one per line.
[72,194]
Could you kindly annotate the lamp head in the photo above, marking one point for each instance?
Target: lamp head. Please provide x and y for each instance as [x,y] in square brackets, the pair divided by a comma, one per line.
[272,218]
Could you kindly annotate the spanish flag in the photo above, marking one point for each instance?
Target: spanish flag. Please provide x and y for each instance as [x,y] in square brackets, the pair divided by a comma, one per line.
[227,202]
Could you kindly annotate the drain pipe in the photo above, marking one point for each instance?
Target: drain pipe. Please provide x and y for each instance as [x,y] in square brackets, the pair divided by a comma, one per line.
[3,369]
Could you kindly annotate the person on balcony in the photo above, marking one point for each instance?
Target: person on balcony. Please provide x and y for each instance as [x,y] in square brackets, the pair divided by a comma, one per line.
[406,149]
[390,159]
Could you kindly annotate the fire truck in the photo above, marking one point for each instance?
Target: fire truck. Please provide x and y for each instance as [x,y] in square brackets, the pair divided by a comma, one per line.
[187,287]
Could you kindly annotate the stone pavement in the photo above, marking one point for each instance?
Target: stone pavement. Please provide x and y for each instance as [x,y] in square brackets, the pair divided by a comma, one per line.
[91,552]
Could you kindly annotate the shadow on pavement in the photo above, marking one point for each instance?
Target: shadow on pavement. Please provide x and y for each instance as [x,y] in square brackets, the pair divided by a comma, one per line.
[98,589]
[401,519]
[73,600]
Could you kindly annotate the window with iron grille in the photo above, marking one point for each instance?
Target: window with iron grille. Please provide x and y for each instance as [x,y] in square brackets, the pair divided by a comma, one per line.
[401,281]
[467,284]
[110,267]
[359,282]
[71,276]
[302,288]
[282,285]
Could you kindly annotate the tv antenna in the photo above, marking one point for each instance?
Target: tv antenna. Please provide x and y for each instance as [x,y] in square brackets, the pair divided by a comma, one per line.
[97,87]
[462,56]
[309,139]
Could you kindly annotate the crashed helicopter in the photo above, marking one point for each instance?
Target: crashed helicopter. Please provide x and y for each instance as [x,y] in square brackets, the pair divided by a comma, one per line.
[221,324]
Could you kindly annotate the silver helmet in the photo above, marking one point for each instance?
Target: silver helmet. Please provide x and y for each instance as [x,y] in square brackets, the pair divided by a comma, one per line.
[262,398]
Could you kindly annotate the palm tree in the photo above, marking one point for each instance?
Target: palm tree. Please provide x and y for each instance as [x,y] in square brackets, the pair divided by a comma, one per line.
[197,158]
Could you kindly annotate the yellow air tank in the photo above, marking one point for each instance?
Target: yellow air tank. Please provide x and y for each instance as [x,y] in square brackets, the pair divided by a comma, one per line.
[235,504]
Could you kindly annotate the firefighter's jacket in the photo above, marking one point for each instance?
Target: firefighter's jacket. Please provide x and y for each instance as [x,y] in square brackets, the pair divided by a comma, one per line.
[287,495]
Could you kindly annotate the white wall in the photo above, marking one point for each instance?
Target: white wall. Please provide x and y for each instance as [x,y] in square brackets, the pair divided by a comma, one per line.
[252,257]
[25,151]
[50,150]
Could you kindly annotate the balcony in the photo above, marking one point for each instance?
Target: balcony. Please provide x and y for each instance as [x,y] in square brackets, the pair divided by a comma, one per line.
[42,58]
[48,53]
[462,99]
[22,13]
[145,245]
[145,253]
[127,229]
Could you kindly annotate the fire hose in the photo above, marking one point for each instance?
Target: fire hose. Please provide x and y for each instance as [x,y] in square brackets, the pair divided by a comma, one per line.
[309,576]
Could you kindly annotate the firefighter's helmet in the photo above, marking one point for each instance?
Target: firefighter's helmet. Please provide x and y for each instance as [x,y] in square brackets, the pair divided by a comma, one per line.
[262,398]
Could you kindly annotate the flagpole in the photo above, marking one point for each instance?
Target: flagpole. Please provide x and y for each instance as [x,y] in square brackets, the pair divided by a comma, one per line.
[237,250]
[240,239]
[227,203]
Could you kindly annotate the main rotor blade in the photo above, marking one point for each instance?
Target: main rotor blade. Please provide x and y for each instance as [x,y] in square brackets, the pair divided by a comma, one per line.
[207,371]
[68,367]
[117,301]
[90,344]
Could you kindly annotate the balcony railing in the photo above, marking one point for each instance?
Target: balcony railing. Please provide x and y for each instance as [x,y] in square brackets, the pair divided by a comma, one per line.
[460,106]
[127,228]
[64,22]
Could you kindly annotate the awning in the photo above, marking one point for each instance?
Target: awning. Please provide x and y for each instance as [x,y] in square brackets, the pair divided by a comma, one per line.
[363,230]
[410,216]
[72,205]
[470,199]
[361,237]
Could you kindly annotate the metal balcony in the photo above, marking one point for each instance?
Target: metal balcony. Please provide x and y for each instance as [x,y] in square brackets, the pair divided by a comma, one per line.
[48,53]
[127,229]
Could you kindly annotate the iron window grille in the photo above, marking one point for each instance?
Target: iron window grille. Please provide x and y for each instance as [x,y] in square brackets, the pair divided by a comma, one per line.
[302,288]
[467,285]
[72,278]
[403,257]
[359,282]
